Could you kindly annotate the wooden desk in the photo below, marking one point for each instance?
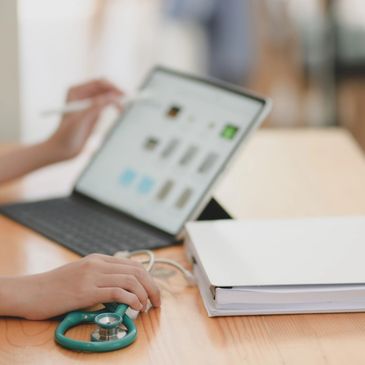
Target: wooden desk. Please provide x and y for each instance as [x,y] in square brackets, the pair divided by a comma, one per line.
[280,174]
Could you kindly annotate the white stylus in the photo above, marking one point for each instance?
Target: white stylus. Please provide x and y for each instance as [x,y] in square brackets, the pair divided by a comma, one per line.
[80,105]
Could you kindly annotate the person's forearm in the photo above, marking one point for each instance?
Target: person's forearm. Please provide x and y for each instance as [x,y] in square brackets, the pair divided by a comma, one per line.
[19,295]
[11,291]
[23,160]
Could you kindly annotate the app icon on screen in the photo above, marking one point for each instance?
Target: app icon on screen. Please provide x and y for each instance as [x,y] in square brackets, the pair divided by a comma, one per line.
[170,148]
[208,163]
[173,111]
[229,131]
[145,185]
[165,190]
[127,177]
[184,198]
[150,143]
[188,155]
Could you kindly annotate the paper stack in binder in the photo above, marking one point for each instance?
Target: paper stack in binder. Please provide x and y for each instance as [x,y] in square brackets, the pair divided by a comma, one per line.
[279,266]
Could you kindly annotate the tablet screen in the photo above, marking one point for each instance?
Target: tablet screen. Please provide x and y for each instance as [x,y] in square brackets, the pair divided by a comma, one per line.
[163,155]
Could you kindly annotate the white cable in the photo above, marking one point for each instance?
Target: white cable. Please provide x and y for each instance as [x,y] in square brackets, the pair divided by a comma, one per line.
[187,274]
[129,254]
[152,261]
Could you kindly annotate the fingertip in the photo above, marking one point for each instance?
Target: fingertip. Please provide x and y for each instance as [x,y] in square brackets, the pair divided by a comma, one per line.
[103,100]
[118,91]
[134,302]
[109,85]
[156,300]
[119,107]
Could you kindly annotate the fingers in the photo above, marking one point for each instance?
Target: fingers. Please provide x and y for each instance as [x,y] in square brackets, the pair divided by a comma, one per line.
[101,101]
[126,274]
[126,282]
[92,89]
[136,270]
[146,280]
[98,104]
[109,295]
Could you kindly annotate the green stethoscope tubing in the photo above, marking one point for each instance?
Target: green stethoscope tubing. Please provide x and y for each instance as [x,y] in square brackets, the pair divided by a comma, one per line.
[73,319]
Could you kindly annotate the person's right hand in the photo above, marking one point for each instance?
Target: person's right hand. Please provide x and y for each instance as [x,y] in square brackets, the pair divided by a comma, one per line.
[75,128]
[92,280]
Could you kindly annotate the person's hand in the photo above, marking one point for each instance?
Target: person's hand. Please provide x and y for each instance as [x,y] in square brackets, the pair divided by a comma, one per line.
[75,128]
[92,280]
[69,138]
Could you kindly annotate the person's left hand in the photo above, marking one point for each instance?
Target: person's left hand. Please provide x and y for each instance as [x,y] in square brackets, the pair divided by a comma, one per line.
[75,128]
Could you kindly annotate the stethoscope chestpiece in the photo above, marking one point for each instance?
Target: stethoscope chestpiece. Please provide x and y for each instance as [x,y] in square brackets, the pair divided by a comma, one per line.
[115,329]
[110,327]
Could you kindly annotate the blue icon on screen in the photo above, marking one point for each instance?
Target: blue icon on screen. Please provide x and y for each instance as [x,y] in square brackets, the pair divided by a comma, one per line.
[127,177]
[145,185]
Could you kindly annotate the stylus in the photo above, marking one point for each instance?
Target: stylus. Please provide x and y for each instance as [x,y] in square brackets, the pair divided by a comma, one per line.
[80,105]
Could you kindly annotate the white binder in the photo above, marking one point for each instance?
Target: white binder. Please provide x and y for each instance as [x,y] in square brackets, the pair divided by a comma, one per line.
[279,266]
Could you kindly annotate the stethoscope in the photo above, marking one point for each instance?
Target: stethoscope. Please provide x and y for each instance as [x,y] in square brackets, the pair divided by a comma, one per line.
[115,327]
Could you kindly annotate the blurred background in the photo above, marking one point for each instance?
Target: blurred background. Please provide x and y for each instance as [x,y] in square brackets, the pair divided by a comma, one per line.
[307,55]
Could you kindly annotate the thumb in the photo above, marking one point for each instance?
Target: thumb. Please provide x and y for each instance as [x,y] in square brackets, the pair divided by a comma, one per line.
[90,117]
[106,99]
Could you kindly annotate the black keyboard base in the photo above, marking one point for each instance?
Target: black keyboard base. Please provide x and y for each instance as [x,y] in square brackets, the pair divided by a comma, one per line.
[86,227]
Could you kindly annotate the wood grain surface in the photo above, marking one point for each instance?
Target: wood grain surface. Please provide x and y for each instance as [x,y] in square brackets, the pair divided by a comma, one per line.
[279,174]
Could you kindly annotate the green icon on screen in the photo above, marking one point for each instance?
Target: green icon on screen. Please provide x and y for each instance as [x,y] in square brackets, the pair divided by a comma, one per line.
[229,131]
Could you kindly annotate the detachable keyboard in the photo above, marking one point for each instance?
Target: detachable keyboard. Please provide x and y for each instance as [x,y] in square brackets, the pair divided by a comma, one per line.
[85,226]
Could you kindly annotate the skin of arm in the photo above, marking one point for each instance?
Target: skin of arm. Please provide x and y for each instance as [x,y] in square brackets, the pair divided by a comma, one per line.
[70,137]
[95,278]
[26,159]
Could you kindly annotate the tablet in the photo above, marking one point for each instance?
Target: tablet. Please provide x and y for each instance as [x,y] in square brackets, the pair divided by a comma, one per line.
[161,159]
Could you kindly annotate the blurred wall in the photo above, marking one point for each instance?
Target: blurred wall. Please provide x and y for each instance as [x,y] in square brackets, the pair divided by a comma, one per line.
[10,127]
[67,42]
[290,49]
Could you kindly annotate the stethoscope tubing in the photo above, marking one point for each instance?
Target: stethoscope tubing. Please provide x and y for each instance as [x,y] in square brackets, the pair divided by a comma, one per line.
[76,318]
